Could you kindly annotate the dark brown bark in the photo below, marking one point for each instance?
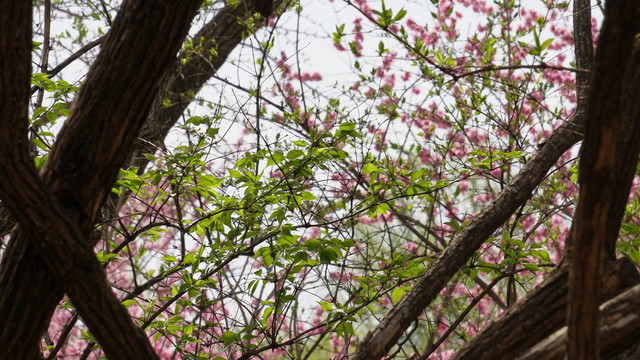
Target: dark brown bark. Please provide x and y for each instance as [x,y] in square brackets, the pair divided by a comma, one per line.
[630,353]
[226,32]
[626,152]
[380,340]
[264,7]
[15,47]
[57,214]
[618,330]
[583,51]
[538,314]
[583,42]
[614,76]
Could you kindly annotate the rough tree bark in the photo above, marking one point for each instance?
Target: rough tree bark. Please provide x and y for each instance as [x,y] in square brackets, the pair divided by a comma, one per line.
[614,79]
[57,210]
[539,313]
[583,48]
[224,32]
[618,330]
[583,51]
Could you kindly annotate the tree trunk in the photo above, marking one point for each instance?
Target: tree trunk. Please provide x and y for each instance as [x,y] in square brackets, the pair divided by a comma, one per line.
[538,314]
[58,212]
[619,328]
[604,182]
[224,32]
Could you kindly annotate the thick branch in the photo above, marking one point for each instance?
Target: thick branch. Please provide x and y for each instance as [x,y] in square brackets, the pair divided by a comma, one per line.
[619,327]
[379,341]
[538,314]
[15,47]
[111,106]
[225,32]
[626,151]
[583,47]
[615,76]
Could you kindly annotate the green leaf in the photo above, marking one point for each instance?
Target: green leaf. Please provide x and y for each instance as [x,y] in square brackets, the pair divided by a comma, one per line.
[417,175]
[39,111]
[267,313]
[40,144]
[328,255]
[337,35]
[574,177]
[634,254]
[400,15]
[473,273]
[51,116]
[228,337]
[294,154]
[307,196]
[486,267]
[312,244]
[326,306]
[531,267]
[381,48]
[369,168]
[397,294]
[275,158]
[190,258]
[344,327]
[544,255]
[209,181]
[546,43]
[348,126]
[188,330]
[212,132]
[235,173]
[383,208]
[40,77]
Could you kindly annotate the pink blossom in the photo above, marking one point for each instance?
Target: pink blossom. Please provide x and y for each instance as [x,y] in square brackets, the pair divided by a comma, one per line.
[411,247]
[496,173]
[384,301]
[482,198]
[528,221]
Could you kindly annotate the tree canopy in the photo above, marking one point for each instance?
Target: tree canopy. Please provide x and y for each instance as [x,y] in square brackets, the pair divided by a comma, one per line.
[258,179]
